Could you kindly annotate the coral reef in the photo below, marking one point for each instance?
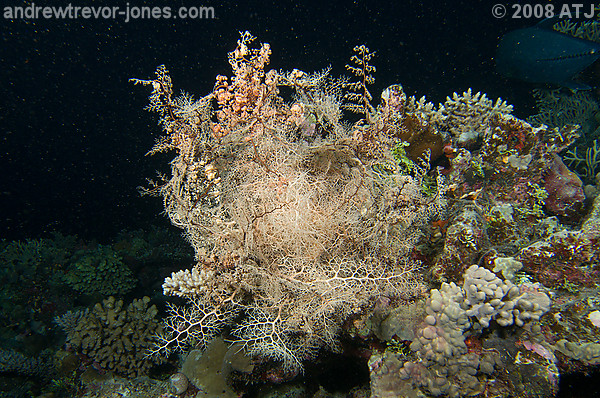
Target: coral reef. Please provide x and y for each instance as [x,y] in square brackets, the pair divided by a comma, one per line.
[506,180]
[450,360]
[38,303]
[564,188]
[558,108]
[571,330]
[12,361]
[566,256]
[588,30]
[100,271]
[307,229]
[407,121]
[141,387]
[587,163]
[118,338]
[466,116]
[457,352]
[505,190]
[29,271]
[205,370]
[152,246]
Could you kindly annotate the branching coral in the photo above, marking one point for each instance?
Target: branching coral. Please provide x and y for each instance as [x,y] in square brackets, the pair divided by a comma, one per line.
[116,337]
[463,119]
[12,361]
[412,123]
[589,30]
[466,116]
[558,108]
[358,95]
[294,232]
[100,271]
[588,163]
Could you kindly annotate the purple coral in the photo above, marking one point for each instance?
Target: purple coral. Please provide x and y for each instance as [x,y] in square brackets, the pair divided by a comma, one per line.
[565,189]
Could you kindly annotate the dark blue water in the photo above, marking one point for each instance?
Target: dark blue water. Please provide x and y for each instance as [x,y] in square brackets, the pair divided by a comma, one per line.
[74,132]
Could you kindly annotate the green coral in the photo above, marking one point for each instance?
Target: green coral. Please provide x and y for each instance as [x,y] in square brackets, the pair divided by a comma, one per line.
[118,337]
[477,167]
[152,245]
[558,108]
[534,204]
[586,164]
[569,286]
[398,346]
[100,271]
[36,265]
[587,30]
[28,258]
[399,154]
[429,185]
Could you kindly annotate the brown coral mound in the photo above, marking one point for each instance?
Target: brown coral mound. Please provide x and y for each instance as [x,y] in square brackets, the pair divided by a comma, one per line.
[117,338]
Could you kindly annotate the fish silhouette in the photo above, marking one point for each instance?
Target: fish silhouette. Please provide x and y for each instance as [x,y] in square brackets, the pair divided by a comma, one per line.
[540,54]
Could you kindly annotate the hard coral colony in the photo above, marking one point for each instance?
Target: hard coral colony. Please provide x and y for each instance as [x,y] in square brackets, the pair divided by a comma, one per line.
[302,222]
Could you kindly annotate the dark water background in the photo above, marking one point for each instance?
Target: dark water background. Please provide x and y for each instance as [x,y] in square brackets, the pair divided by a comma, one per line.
[74,132]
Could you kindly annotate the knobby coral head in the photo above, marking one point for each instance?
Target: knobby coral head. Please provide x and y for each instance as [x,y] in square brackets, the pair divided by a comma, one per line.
[565,189]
